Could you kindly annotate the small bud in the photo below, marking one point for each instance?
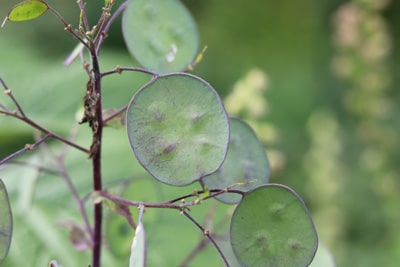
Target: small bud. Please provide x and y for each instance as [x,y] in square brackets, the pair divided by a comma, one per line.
[118,70]
[68,27]
[29,147]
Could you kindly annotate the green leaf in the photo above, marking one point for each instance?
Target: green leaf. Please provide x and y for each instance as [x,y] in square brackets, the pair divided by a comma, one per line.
[161,35]
[138,250]
[6,223]
[178,128]
[26,10]
[272,227]
[245,166]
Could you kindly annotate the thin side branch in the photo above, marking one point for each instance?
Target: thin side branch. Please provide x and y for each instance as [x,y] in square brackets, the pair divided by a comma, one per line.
[104,26]
[212,193]
[102,36]
[46,131]
[8,92]
[75,195]
[119,70]
[20,114]
[37,167]
[209,236]
[115,114]
[68,26]
[28,147]
[83,15]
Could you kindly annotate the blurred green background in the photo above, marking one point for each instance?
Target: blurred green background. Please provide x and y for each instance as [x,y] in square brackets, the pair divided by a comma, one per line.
[330,120]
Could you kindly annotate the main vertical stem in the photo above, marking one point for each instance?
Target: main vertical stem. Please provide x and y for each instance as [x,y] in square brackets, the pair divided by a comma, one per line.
[97,128]
[98,214]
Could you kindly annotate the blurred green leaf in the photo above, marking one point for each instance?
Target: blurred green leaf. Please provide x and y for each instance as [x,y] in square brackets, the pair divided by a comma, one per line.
[26,10]
[60,88]
[272,227]
[178,128]
[38,240]
[118,231]
[161,35]
[246,164]
[79,237]
[6,222]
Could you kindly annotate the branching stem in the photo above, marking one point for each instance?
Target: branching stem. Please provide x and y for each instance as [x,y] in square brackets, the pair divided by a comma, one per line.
[169,204]
[108,25]
[68,26]
[83,15]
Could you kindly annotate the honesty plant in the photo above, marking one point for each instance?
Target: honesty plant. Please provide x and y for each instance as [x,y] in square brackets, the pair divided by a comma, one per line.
[179,132]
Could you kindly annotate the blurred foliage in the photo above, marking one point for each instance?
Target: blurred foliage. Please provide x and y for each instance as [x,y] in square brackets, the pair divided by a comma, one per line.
[329,70]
